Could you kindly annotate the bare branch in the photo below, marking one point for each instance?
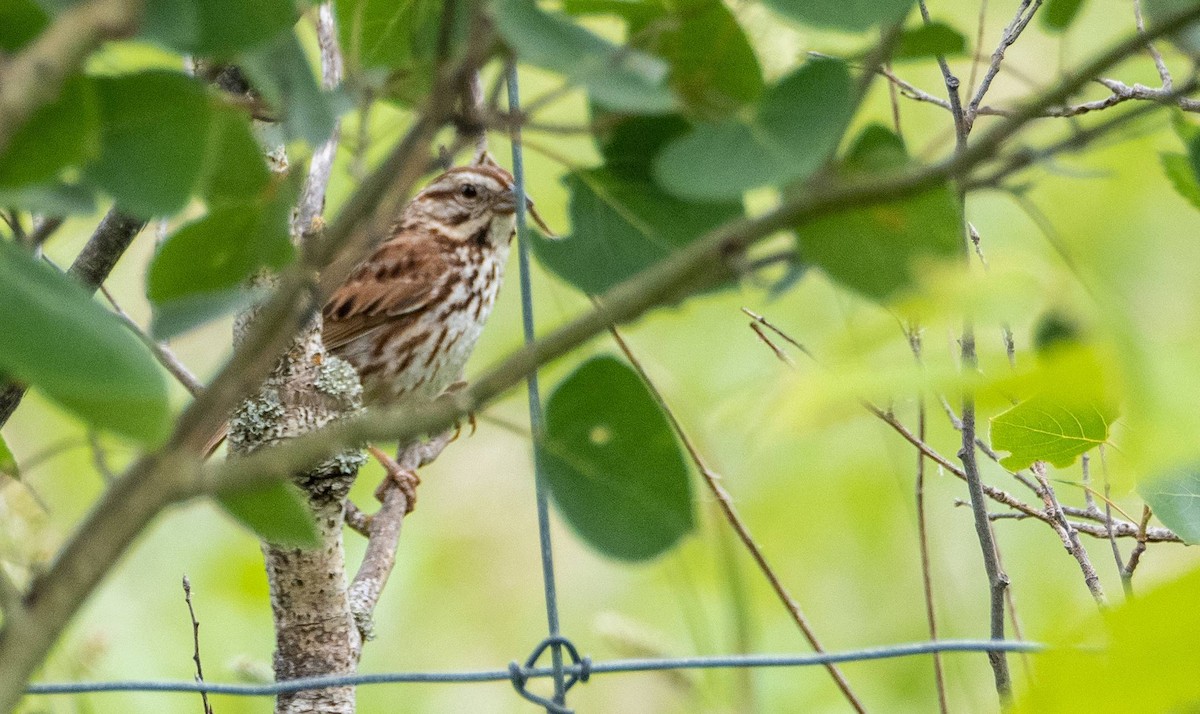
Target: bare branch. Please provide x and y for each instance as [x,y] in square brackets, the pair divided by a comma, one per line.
[1069,536]
[1014,29]
[1163,73]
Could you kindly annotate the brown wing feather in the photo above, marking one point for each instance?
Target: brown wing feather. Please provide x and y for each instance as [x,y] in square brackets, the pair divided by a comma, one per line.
[397,280]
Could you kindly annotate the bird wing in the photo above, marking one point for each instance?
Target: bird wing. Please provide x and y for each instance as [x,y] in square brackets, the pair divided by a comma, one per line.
[398,279]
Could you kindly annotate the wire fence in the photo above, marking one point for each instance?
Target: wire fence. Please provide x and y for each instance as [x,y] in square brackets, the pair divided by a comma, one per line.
[563,673]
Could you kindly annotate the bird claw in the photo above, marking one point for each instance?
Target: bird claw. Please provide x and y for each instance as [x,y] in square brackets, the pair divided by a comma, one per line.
[396,477]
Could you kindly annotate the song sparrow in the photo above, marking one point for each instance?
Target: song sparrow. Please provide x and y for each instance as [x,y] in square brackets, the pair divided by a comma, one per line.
[408,317]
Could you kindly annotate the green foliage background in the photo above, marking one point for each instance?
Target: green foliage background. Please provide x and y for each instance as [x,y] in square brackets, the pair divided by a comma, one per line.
[826,488]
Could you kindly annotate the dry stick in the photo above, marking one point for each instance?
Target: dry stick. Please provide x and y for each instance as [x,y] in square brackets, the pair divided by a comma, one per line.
[1069,537]
[1136,556]
[91,268]
[713,481]
[187,597]
[382,530]
[997,579]
[1011,33]
[914,340]
[1126,586]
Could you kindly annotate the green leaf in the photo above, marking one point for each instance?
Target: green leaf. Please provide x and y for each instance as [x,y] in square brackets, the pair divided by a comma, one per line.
[215,28]
[280,71]
[798,123]
[51,199]
[714,77]
[20,22]
[617,78]
[630,143]
[621,226]
[1140,656]
[176,316]
[278,513]
[612,463]
[152,140]
[878,250]
[1178,168]
[1046,429]
[198,272]
[76,353]
[1175,498]
[847,15]
[931,40]
[398,37]
[8,462]
[61,133]
[235,171]
[1057,15]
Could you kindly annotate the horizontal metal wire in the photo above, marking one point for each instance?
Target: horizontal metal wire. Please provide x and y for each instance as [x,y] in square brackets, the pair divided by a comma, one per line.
[501,675]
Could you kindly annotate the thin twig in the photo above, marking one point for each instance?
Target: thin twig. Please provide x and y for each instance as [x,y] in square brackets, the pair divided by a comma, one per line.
[976,55]
[1163,73]
[1136,556]
[100,457]
[161,352]
[187,597]
[914,340]
[713,481]
[1108,522]
[1069,536]
[1014,29]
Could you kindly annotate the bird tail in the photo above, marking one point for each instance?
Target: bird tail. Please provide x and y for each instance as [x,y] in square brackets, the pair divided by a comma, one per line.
[215,442]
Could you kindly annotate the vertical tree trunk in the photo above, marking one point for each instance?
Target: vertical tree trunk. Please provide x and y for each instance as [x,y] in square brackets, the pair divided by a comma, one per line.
[315,633]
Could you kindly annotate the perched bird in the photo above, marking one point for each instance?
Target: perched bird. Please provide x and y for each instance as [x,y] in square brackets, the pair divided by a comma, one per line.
[408,317]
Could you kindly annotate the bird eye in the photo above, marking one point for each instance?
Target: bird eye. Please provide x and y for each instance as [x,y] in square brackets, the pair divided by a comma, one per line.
[469,191]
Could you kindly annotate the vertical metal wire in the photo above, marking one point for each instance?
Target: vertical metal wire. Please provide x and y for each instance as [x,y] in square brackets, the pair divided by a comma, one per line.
[535,402]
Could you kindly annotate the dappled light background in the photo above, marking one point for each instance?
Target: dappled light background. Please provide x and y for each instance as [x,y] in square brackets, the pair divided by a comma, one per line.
[826,488]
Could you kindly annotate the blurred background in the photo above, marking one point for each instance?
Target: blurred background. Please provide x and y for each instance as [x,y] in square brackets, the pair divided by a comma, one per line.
[826,489]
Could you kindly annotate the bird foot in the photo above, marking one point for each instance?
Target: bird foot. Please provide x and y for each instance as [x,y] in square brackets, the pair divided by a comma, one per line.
[396,477]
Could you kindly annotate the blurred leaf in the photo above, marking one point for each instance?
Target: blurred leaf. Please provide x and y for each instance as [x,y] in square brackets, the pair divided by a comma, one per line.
[76,353]
[8,462]
[636,12]
[1057,15]
[936,38]
[215,28]
[1178,168]
[612,463]
[1045,429]
[1138,657]
[798,123]
[20,22]
[617,78]
[53,199]
[878,250]
[1054,330]
[61,133]
[152,140]
[235,171]
[847,15]
[630,143]
[176,316]
[277,513]
[621,226]
[200,268]
[1175,499]
[280,71]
